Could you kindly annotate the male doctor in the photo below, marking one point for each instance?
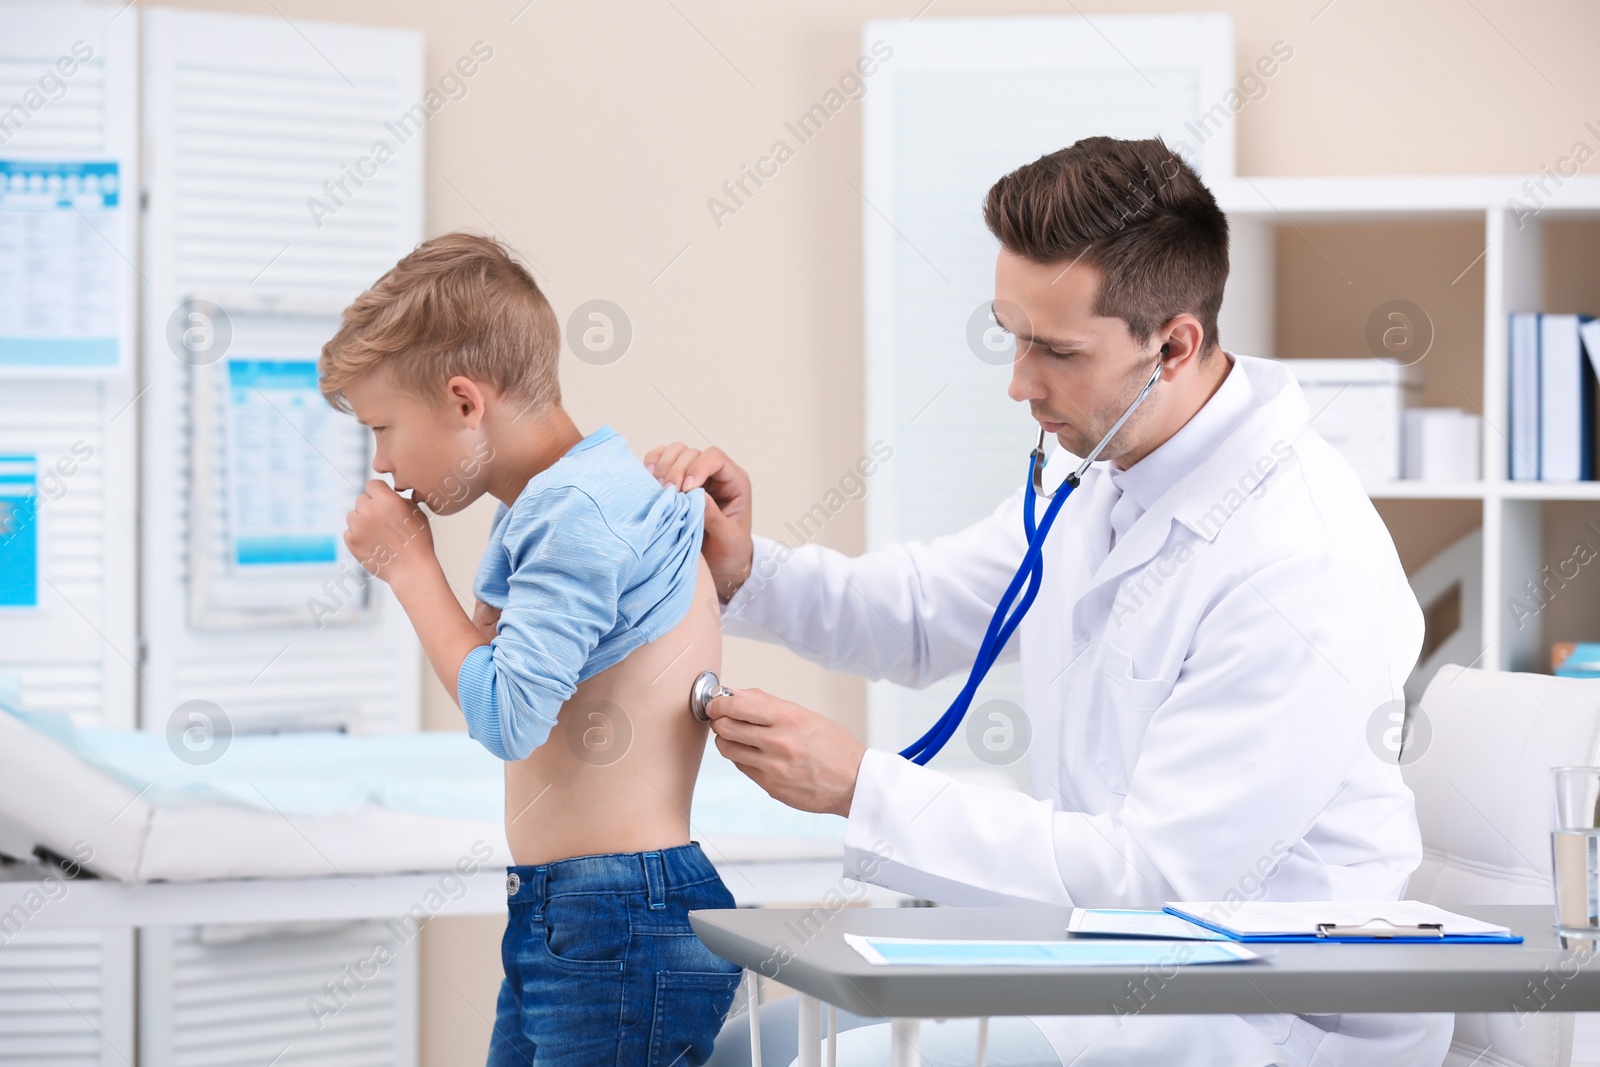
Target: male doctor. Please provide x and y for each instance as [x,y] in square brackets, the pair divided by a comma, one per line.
[1221,614]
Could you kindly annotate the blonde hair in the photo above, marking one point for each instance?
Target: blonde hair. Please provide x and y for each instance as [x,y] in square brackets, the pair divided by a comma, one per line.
[457,305]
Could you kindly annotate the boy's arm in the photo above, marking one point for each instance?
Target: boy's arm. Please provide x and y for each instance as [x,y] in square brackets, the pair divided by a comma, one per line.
[566,572]
[562,600]
[391,538]
[446,633]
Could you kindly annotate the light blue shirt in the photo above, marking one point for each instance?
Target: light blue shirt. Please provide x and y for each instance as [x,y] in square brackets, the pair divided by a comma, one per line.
[594,559]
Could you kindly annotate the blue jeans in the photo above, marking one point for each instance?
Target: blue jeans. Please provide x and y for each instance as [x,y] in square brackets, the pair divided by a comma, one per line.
[602,968]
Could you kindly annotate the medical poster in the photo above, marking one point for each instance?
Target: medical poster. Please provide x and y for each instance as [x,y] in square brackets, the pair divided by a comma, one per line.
[19,532]
[287,498]
[60,273]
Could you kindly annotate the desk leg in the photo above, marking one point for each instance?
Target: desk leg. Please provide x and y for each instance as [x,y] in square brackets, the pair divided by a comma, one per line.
[903,1050]
[983,1042]
[753,1001]
[810,1050]
[833,1036]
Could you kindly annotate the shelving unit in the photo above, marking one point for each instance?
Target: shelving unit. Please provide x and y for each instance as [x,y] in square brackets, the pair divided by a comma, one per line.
[1278,219]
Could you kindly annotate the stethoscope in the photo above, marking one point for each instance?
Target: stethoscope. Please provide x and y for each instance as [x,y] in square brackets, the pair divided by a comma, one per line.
[707,688]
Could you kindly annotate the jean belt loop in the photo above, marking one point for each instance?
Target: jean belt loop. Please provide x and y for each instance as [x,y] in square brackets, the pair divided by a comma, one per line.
[655,879]
[541,895]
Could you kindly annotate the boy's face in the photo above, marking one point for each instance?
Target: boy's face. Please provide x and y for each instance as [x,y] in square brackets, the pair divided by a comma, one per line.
[439,451]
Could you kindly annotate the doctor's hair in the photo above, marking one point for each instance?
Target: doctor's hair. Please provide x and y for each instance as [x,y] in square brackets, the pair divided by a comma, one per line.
[1133,209]
[458,304]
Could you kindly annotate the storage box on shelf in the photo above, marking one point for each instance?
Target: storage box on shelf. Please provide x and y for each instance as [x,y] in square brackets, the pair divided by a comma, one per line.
[1441,445]
[1358,406]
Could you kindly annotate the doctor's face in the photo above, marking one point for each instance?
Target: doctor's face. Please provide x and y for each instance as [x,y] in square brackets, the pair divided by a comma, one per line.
[1076,370]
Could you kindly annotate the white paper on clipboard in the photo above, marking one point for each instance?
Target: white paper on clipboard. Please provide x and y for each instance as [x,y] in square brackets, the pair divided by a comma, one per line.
[1086,952]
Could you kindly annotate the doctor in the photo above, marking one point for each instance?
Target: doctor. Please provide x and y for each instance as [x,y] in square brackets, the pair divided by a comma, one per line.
[1222,612]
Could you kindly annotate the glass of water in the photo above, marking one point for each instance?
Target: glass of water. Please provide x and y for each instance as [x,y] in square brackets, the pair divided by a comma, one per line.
[1575,851]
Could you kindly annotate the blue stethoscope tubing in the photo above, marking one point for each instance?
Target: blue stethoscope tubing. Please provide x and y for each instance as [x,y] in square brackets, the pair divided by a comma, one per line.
[1031,571]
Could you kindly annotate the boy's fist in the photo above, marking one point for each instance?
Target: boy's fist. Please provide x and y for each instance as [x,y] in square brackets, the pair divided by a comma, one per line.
[387,533]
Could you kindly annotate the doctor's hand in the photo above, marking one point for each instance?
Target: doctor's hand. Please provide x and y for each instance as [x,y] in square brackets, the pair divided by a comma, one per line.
[727,546]
[388,534]
[799,757]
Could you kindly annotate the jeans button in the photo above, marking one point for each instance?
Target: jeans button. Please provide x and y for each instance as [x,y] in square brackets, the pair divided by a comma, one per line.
[513,883]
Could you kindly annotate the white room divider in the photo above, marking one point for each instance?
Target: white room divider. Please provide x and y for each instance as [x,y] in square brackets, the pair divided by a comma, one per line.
[271,206]
[68,93]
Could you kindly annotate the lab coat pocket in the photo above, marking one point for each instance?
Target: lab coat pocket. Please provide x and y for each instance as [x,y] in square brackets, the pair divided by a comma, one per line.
[1129,691]
[1130,703]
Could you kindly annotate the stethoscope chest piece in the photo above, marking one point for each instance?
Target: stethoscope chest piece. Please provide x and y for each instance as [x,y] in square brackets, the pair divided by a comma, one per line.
[706,688]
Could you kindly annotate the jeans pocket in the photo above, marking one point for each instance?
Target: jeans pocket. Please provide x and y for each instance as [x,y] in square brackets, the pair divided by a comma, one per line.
[689,1010]
[587,930]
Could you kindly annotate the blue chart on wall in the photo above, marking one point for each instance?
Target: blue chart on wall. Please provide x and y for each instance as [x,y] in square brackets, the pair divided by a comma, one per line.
[286,495]
[60,281]
[19,531]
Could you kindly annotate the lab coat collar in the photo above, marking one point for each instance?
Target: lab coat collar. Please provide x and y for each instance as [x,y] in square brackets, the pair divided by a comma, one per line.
[1203,481]
[1149,479]
[1249,455]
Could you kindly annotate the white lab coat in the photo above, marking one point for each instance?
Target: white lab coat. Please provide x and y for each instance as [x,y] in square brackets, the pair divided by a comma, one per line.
[1198,703]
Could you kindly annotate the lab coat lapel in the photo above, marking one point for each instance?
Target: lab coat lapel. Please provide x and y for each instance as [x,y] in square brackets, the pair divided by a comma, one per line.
[1138,546]
[1242,461]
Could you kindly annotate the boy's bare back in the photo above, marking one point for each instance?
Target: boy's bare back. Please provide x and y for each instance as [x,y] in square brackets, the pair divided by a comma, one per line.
[618,771]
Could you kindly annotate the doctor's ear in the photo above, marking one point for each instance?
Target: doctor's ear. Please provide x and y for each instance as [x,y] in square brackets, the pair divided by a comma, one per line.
[1181,337]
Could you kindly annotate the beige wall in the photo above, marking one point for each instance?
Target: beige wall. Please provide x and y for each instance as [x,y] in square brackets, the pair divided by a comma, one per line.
[594,136]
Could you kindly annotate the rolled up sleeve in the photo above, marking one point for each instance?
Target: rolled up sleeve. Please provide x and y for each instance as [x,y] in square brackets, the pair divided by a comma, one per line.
[567,572]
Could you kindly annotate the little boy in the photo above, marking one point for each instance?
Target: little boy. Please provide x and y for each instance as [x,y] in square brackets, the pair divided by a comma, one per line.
[594,615]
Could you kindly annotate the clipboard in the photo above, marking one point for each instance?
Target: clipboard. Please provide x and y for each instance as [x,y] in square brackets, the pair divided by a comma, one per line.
[1379,922]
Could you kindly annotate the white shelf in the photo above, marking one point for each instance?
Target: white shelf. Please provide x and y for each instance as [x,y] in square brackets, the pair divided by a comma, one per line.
[1418,197]
[1549,490]
[1407,490]
[1428,490]
[1513,214]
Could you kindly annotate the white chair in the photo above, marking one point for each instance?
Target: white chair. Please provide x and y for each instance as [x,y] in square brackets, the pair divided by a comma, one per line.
[1484,803]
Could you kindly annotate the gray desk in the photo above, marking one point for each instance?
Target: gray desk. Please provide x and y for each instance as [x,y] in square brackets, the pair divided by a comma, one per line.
[804,949]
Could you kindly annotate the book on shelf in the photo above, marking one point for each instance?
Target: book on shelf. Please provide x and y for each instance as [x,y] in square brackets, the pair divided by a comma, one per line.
[1524,360]
[1553,360]
[1575,659]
